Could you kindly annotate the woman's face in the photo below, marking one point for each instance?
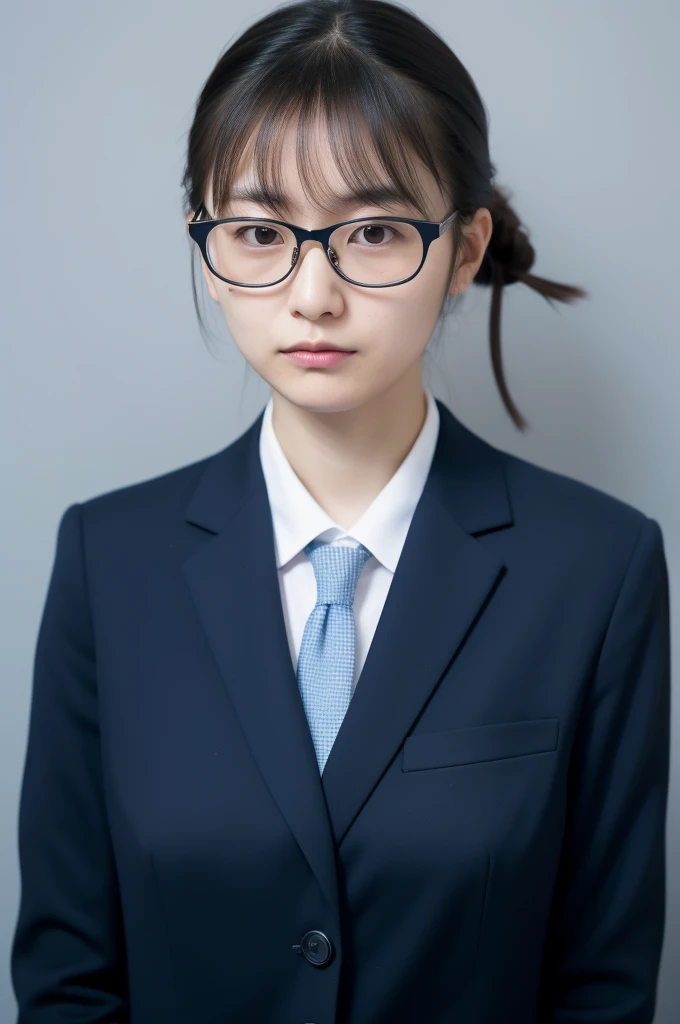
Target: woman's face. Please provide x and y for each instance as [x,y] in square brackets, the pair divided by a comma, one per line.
[387,329]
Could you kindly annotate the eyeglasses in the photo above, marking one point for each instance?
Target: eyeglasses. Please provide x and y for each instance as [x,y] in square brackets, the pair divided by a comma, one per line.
[374,252]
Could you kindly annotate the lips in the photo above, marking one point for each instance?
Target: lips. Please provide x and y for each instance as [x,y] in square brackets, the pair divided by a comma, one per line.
[319,359]
[316,346]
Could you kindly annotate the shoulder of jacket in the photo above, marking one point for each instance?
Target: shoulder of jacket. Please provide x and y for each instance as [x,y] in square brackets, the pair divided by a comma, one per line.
[546,496]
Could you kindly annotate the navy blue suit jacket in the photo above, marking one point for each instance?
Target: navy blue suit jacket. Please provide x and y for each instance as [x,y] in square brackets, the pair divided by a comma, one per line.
[486,843]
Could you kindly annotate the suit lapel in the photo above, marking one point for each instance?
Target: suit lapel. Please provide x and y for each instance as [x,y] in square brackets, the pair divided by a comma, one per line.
[234,583]
[443,578]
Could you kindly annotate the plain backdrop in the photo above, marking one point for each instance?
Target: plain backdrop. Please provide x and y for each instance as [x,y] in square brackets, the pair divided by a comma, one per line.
[107,381]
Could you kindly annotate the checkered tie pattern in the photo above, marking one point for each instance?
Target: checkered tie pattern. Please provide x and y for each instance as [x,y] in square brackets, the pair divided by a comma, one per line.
[325,668]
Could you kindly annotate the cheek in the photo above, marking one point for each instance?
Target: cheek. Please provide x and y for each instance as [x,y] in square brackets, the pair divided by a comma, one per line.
[407,314]
[248,320]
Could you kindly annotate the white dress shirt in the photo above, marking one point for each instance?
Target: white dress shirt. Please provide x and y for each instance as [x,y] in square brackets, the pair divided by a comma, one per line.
[298,519]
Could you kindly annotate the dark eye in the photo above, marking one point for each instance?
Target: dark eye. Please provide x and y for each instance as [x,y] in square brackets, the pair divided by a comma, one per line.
[375,234]
[263,235]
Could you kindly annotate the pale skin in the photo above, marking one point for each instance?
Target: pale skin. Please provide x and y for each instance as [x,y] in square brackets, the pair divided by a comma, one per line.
[345,429]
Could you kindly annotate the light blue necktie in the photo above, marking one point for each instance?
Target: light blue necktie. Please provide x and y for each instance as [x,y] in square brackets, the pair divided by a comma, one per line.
[325,668]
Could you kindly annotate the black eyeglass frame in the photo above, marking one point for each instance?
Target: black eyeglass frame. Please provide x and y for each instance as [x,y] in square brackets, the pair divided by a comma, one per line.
[429,231]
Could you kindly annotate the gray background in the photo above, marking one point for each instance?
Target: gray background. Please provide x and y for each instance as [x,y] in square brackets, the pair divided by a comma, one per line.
[106,380]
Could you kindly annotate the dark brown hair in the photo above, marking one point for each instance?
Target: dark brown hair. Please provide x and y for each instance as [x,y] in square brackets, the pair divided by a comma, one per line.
[375,71]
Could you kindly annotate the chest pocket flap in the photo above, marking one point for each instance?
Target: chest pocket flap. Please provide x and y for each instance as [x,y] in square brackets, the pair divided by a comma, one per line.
[479,743]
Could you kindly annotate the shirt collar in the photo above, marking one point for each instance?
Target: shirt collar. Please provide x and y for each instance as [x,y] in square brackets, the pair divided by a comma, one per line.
[298,518]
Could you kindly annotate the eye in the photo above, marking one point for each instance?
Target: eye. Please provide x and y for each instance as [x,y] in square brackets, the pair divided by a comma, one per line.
[263,235]
[376,234]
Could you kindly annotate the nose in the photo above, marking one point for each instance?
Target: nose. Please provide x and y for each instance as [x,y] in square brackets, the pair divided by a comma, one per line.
[313,282]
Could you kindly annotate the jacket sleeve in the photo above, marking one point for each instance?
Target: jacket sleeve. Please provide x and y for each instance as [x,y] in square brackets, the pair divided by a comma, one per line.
[67,957]
[605,934]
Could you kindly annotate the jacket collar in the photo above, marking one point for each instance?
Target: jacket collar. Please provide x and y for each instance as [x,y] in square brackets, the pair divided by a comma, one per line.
[466,476]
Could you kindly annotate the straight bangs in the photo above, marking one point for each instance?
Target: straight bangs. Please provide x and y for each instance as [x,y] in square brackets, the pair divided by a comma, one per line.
[381,128]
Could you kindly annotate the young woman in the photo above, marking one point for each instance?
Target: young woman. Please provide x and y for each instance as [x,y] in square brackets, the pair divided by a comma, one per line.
[361,719]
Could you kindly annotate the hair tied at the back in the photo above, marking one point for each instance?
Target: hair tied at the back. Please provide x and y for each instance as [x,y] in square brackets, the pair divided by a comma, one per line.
[509,245]
[510,255]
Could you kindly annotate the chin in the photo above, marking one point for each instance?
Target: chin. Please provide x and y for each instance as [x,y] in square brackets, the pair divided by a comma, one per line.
[322,395]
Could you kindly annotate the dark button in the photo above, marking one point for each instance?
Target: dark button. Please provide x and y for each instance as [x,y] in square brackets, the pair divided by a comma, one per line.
[317,947]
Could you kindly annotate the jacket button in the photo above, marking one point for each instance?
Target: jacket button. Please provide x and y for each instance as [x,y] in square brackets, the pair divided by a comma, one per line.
[317,947]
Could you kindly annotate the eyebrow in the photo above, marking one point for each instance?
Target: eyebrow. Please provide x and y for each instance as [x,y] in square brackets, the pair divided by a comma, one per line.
[376,194]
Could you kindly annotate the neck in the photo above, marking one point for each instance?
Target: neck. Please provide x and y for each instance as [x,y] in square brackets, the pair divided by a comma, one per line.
[345,458]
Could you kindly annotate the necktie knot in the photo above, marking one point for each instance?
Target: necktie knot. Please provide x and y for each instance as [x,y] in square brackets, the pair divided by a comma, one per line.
[337,569]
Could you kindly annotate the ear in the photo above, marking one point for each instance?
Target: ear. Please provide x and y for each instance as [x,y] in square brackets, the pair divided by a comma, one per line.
[476,238]
[207,274]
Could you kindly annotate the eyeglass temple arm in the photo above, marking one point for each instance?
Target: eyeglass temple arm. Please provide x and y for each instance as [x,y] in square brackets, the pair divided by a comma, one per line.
[446,223]
[199,209]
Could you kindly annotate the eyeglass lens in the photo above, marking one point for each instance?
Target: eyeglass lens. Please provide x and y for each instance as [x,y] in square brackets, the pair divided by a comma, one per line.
[368,252]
